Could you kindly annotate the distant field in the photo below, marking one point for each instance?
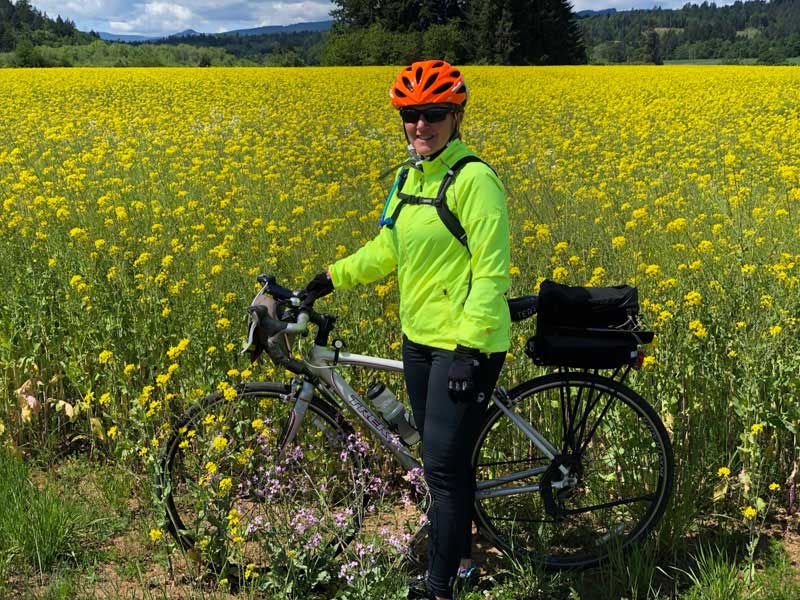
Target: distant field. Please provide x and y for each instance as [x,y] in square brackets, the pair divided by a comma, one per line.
[138,206]
[749,32]
[709,61]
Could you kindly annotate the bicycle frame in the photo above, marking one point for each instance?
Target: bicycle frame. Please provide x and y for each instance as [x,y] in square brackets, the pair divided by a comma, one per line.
[324,363]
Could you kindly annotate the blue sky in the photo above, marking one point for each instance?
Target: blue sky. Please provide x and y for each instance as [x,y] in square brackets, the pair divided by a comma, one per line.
[159,17]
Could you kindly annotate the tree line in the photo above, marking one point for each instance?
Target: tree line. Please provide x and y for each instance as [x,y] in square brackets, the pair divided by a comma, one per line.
[512,32]
[285,49]
[107,54]
[379,32]
[370,32]
[766,31]
[22,23]
[376,32]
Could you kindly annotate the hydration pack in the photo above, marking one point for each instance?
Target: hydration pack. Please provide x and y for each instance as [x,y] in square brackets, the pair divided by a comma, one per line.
[439,202]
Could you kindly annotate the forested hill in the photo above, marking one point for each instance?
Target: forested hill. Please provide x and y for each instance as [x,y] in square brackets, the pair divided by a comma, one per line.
[21,23]
[467,31]
[766,31]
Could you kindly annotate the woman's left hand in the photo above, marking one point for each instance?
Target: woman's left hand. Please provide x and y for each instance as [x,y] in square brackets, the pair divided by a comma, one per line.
[461,376]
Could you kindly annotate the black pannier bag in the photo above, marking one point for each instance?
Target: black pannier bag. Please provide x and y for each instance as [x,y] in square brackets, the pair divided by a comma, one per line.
[587,327]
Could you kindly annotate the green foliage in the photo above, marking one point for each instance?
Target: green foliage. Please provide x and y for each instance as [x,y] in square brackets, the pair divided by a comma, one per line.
[445,41]
[112,54]
[399,15]
[21,23]
[30,39]
[373,46]
[288,49]
[519,32]
[768,31]
[714,577]
[37,526]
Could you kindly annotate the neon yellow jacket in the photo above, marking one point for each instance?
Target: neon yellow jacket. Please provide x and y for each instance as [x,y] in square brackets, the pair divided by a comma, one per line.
[439,306]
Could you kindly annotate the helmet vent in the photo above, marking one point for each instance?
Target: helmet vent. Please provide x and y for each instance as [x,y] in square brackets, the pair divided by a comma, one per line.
[442,88]
[428,82]
[431,80]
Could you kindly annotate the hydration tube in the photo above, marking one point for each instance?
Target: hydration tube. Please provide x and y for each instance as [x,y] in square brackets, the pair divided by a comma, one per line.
[383,220]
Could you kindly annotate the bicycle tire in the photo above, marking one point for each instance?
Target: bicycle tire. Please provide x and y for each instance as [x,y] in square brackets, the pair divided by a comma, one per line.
[624,472]
[305,493]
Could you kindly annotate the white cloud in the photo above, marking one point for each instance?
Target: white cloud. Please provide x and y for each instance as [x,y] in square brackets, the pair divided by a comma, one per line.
[120,27]
[284,13]
[157,17]
[165,11]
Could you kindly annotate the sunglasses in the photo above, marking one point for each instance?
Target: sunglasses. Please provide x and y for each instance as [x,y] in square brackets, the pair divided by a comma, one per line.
[437,114]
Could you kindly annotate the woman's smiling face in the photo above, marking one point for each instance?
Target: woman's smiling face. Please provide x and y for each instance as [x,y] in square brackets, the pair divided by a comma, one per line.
[426,137]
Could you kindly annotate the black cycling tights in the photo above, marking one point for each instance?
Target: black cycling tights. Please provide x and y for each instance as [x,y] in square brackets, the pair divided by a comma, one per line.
[449,431]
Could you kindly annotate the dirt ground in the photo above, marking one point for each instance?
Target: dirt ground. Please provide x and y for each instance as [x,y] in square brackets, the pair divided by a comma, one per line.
[130,568]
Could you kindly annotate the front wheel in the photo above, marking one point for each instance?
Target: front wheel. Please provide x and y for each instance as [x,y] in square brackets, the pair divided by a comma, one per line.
[602,483]
[239,498]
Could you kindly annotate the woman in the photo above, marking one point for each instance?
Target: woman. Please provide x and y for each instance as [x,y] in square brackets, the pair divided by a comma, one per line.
[453,310]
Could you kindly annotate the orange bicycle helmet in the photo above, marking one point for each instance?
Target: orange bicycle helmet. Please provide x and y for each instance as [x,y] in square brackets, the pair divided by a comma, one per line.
[428,82]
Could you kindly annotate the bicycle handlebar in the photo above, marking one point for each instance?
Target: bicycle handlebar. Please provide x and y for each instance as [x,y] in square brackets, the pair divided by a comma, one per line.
[301,325]
[264,325]
[268,330]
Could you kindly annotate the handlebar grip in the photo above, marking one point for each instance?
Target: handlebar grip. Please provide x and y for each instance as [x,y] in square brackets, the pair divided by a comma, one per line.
[265,279]
[279,292]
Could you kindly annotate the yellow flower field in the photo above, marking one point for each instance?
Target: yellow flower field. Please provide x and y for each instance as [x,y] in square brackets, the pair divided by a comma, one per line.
[138,206]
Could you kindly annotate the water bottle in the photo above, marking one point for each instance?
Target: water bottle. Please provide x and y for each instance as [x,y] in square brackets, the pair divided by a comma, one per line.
[395,414]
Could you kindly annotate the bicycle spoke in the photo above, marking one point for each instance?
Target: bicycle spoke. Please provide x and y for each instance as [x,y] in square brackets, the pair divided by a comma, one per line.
[584,509]
[521,520]
[584,440]
[611,481]
[233,493]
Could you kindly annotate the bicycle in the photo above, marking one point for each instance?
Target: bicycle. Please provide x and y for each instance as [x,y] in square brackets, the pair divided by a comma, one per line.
[593,479]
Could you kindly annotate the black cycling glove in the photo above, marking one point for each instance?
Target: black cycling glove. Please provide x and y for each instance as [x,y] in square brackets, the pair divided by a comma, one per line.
[461,376]
[315,289]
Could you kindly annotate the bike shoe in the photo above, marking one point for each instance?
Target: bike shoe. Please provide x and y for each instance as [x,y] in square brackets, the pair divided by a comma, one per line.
[417,588]
[467,578]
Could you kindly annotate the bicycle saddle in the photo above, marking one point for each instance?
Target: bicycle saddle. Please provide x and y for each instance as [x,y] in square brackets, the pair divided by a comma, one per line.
[523,307]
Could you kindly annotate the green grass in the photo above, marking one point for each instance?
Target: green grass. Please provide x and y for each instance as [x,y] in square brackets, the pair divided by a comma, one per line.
[55,524]
[82,562]
[37,526]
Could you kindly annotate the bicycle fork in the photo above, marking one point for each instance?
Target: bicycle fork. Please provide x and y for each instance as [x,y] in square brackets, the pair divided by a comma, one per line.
[301,401]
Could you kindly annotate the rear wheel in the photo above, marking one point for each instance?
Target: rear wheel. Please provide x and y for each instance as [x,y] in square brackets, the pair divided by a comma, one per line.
[606,486]
[239,498]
